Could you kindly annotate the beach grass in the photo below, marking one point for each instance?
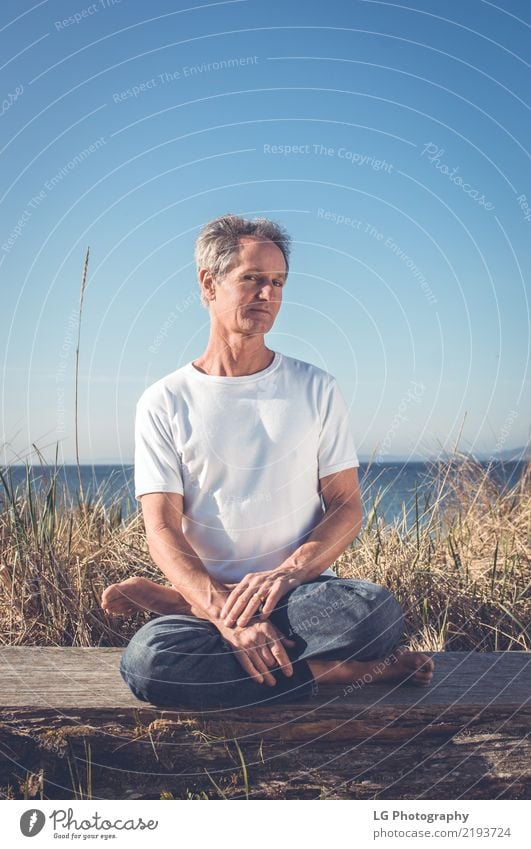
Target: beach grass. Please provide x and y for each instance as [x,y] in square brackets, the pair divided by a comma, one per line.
[459,565]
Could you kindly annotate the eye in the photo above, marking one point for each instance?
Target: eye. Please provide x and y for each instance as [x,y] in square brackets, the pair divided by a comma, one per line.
[279,283]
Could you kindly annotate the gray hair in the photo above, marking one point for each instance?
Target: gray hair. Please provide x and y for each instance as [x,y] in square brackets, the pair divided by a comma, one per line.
[218,243]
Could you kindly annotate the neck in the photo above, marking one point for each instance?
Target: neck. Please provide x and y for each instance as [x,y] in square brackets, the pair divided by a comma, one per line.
[234,356]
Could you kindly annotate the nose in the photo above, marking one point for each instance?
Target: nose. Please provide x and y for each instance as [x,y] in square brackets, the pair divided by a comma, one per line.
[267,292]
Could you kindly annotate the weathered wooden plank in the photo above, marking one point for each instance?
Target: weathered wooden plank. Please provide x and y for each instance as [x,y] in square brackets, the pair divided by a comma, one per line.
[78,684]
[378,741]
[74,677]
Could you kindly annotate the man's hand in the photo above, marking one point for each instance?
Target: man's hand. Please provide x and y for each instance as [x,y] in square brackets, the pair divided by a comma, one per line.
[254,589]
[259,647]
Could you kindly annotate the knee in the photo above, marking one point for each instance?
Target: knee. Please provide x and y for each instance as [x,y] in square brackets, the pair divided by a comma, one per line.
[369,607]
[158,658]
[383,625]
[139,661]
[387,616]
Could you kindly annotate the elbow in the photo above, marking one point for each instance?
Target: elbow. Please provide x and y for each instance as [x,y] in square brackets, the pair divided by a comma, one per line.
[352,515]
[156,533]
[354,518]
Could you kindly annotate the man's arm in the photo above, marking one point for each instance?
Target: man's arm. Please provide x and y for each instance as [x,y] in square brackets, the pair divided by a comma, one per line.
[257,647]
[340,525]
[175,557]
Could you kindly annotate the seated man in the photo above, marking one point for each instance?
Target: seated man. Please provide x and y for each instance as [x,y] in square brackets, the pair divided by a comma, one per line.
[247,475]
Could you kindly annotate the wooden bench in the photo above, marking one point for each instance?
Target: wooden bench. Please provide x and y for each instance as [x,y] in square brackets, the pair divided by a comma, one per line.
[466,736]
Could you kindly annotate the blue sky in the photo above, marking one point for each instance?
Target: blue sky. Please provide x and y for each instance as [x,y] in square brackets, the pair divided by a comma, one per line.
[390,139]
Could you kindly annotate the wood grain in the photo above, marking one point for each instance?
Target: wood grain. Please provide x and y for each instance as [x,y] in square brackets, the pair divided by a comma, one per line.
[466,736]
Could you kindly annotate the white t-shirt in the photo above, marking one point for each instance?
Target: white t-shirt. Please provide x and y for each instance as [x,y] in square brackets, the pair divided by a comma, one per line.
[247,454]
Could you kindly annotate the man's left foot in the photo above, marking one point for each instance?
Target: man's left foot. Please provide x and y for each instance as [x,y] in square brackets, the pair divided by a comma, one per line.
[410,667]
[402,665]
[135,594]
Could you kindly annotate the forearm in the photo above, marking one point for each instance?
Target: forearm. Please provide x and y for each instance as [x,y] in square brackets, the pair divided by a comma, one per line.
[178,561]
[339,526]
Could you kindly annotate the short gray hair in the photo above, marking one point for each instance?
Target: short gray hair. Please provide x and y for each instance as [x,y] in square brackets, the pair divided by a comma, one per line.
[218,243]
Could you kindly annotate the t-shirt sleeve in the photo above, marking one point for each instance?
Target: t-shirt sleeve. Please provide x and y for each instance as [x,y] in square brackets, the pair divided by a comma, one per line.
[336,444]
[157,462]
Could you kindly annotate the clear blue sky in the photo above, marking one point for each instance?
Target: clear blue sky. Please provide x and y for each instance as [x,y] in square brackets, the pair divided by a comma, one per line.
[128,125]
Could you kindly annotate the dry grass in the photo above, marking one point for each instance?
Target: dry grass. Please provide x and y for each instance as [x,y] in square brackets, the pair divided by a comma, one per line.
[460,569]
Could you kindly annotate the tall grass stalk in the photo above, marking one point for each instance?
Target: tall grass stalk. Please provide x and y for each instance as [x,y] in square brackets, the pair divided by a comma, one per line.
[81,296]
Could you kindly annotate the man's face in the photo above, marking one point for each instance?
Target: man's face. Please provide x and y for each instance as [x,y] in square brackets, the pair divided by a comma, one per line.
[250,295]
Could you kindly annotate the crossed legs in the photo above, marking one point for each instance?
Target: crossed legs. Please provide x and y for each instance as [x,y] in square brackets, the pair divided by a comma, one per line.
[345,631]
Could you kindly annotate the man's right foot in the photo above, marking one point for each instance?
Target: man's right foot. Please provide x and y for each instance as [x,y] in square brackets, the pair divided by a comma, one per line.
[134,594]
[409,667]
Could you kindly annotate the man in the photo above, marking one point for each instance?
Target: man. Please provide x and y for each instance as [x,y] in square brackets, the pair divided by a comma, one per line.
[236,455]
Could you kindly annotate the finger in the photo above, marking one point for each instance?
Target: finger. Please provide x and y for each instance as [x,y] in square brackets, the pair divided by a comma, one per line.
[288,640]
[261,667]
[231,599]
[271,601]
[282,657]
[249,667]
[239,604]
[251,608]
[247,605]
[267,656]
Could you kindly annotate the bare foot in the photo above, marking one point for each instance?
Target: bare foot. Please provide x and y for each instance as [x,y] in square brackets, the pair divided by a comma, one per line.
[134,594]
[411,667]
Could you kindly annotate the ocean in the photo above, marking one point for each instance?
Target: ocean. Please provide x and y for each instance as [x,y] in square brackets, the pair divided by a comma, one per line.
[392,485]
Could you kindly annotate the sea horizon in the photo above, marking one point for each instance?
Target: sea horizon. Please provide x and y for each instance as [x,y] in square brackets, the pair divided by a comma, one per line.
[393,484]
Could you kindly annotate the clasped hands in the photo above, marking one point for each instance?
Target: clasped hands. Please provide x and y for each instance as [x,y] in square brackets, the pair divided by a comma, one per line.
[258,645]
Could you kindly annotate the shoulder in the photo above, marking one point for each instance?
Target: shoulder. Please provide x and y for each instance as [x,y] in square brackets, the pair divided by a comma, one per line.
[304,371]
[162,393]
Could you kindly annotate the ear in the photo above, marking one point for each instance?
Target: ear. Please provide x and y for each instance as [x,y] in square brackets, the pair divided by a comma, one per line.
[206,281]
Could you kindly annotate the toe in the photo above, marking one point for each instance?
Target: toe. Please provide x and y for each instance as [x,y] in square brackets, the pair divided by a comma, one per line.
[109,593]
[423,676]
